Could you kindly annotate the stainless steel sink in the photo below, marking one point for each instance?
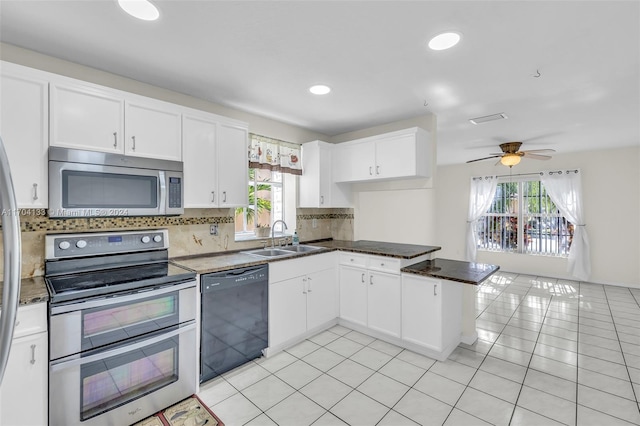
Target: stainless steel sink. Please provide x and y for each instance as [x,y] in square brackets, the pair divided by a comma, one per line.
[281,251]
[269,253]
[301,249]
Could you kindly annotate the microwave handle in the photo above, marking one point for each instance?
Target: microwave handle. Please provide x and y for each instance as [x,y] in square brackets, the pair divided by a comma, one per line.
[162,206]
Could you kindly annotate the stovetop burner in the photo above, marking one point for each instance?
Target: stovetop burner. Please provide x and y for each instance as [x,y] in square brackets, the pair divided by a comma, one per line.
[113,263]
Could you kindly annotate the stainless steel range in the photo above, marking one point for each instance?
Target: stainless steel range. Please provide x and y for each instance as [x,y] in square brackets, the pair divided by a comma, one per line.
[122,331]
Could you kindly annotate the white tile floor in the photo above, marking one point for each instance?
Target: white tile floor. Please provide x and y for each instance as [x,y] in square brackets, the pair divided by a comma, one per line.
[550,352]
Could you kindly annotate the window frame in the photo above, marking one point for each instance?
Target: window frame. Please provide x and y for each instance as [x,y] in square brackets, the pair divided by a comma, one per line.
[523,218]
[249,234]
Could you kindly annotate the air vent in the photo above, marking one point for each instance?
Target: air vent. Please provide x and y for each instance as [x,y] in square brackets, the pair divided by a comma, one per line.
[487,118]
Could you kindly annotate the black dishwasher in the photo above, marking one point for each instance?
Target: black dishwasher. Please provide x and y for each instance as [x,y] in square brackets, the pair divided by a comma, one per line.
[234,321]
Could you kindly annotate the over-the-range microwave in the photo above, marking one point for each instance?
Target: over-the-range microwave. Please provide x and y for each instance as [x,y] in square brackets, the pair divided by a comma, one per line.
[97,184]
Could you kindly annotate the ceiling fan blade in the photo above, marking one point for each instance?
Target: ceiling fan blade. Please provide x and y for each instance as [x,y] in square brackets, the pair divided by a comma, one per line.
[485,158]
[536,156]
[539,151]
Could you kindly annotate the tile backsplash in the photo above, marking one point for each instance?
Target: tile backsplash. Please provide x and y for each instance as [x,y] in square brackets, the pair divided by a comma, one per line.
[188,233]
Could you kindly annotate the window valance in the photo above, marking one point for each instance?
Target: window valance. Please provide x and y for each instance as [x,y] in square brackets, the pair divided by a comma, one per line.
[274,154]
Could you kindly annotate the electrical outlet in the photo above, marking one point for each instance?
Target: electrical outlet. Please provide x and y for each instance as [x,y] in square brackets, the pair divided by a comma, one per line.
[314,223]
[213,229]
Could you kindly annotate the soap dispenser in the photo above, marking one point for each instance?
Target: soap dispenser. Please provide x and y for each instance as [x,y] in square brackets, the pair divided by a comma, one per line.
[296,240]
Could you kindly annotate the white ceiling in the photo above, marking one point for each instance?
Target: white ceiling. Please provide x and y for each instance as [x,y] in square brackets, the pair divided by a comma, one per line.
[262,56]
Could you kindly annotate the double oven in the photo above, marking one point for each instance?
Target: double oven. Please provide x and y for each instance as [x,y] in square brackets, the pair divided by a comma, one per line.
[122,327]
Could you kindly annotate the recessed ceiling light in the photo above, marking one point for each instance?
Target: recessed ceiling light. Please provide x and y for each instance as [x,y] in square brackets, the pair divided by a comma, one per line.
[141,9]
[319,89]
[444,41]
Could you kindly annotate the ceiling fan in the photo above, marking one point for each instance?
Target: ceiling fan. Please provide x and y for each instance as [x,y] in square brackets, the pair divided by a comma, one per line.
[510,156]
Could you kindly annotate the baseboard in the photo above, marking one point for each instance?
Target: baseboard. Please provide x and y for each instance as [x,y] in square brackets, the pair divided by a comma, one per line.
[469,339]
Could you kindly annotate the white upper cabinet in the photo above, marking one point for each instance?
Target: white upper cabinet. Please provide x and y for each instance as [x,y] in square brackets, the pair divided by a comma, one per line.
[316,187]
[91,117]
[233,164]
[401,154]
[354,162]
[152,129]
[215,161]
[24,126]
[86,117]
[199,154]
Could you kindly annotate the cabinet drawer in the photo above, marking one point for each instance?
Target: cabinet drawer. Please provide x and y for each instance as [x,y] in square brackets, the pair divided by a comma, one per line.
[290,268]
[384,264]
[354,259]
[31,319]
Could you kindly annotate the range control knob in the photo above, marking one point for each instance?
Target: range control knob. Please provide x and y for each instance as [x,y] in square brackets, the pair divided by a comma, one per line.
[145,239]
[157,238]
[64,245]
[81,244]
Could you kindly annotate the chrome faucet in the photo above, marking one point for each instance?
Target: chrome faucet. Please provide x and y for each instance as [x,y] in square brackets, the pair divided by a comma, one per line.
[273,228]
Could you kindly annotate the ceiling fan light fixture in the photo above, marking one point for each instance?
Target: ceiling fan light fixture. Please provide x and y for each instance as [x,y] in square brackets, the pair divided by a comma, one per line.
[444,40]
[510,159]
[141,9]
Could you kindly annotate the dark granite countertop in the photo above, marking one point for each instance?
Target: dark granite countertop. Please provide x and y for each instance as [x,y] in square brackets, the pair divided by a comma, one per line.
[453,270]
[379,248]
[32,290]
[223,261]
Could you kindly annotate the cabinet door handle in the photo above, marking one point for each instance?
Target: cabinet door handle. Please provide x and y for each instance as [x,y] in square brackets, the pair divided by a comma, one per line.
[35,191]
[309,284]
[377,170]
[224,196]
[322,199]
[134,143]
[370,279]
[115,139]
[363,277]
[304,286]
[370,171]
[213,196]
[33,354]
[435,289]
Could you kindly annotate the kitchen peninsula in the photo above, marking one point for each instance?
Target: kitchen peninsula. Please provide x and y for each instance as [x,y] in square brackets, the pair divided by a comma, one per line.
[399,293]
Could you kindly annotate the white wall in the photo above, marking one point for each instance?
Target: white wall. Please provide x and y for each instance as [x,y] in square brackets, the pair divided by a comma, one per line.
[396,211]
[611,186]
[257,124]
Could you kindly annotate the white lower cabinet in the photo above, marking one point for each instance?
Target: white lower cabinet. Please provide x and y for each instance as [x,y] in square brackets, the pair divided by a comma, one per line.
[287,310]
[370,298]
[322,298]
[24,391]
[303,297]
[368,294]
[383,303]
[431,313]
[353,295]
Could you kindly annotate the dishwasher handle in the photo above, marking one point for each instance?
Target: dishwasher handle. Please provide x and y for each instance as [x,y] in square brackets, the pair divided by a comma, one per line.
[218,281]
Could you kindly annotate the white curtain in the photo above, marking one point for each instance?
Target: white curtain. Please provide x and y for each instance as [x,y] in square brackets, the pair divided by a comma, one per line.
[565,190]
[483,189]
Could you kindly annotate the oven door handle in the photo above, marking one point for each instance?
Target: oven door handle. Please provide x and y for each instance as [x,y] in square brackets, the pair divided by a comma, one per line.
[76,306]
[76,360]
